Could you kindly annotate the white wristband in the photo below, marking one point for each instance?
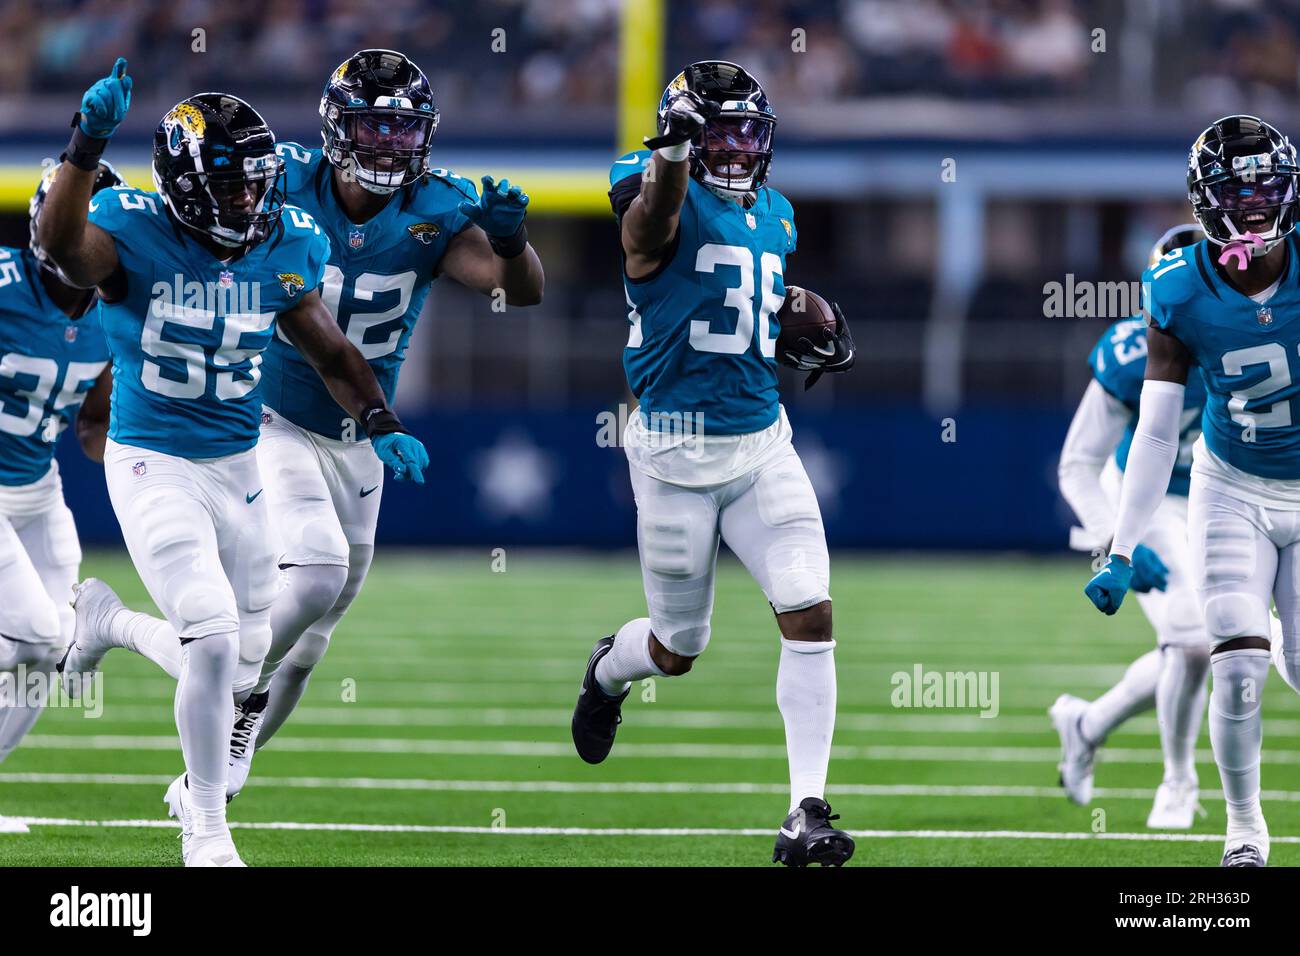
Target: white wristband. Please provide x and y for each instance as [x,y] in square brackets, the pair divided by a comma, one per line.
[675,154]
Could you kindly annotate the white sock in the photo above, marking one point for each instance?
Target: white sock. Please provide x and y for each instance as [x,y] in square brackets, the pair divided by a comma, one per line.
[1236,729]
[1180,701]
[148,636]
[805,694]
[628,660]
[205,712]
[1135,692]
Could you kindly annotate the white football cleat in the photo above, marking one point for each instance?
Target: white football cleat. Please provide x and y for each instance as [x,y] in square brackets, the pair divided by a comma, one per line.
[1176,806]
[215,848]
[243,741]
[93,602]
[9,825]
[178,807]
[1246,844]
[1076,753]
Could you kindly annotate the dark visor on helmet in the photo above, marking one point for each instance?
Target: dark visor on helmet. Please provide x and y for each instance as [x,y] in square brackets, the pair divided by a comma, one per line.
[738,134]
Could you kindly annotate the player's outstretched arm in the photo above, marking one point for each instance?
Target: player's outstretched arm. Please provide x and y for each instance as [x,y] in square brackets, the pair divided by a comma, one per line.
[92,418]
[495,253]
[84,252]
[350,380]
[1150,463]
[650,222]
[1095,431]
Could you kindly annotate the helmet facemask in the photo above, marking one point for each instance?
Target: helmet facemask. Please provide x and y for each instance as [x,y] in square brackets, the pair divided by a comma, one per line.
[232,207]
[733,152]
[1262,204]
[382,150]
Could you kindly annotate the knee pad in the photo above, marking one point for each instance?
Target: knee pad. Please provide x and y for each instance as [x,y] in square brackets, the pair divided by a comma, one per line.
[798,579]
[1235,614]
[309,650]
[684,640]
[205,609]
[317,588]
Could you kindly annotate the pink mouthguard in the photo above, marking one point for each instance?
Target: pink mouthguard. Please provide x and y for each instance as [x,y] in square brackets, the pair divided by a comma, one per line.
[1240,249]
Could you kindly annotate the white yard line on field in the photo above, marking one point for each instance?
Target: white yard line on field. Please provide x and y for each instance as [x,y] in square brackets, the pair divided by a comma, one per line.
[651,831]
[646,787]
[530,748]
[900,721]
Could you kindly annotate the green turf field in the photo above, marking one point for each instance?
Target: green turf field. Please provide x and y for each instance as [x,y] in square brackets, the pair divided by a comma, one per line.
[463,682]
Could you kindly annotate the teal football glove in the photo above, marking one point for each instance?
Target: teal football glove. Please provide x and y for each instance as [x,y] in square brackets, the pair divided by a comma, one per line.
[500,209]
[404,454]
[1149,572]
[105,104]
[1107,588]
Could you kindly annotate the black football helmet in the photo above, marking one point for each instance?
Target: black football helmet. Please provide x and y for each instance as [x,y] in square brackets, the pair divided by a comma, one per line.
[1241,179]
[1175,237]
[106,178]
[214,164]
[733,152]
[378,119]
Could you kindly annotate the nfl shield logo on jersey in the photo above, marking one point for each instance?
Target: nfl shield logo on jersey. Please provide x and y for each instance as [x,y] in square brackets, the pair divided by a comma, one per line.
[1264,315]
[227,279]
[70,334]
[138,469]
[750,221]
[356,238]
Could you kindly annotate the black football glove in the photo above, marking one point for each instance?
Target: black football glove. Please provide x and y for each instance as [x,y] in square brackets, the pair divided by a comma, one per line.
[686,115]
[836,352]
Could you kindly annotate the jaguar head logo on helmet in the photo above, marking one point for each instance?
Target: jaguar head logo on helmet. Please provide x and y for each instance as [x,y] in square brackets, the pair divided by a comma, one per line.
[214,164]
[378,119]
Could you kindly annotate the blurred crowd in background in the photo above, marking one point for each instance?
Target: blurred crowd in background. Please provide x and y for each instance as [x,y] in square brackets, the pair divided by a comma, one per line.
[563,51]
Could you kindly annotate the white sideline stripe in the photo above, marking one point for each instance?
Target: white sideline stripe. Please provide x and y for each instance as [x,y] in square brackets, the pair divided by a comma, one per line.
[529,748]
[651,831]
[567,786]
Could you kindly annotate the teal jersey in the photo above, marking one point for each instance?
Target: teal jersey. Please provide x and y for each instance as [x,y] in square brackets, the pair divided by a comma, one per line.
[376,281]
[703,325]
[1119,364]
[47,364]
[1248,353]
[188,335]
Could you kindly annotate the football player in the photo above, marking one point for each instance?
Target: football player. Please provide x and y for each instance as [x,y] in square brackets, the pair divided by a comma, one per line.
[394,226]
[53,371]
[1230,306]
[194,280]
[1172,677]
[704,242]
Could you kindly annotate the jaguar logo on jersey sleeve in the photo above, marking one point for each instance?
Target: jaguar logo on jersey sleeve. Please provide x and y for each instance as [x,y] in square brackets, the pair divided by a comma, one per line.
[424,232]
[291,283]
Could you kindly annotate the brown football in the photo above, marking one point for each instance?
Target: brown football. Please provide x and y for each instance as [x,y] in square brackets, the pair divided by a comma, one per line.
[803,314]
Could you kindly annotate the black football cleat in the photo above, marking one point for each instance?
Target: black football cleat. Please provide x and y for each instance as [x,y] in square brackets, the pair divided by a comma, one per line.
[808,837]
[597,715]
[1245,855]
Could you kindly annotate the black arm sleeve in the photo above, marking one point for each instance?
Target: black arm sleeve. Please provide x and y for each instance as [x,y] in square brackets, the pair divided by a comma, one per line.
[622,193]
